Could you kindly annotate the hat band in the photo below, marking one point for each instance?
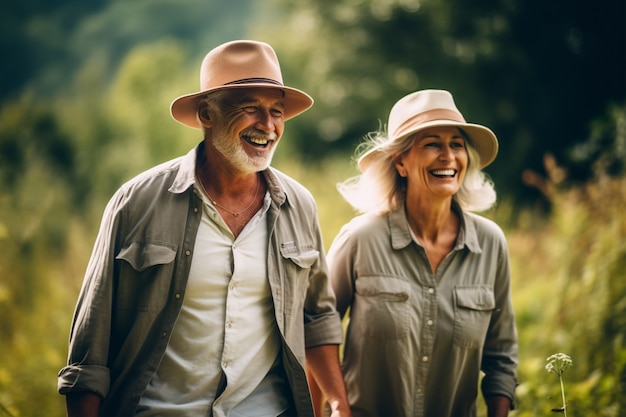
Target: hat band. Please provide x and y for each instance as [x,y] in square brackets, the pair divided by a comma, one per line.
[428,116]
[255,80]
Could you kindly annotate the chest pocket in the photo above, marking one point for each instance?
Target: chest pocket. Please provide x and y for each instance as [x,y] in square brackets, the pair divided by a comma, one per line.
[304,259]
[297,263]
[472,313]
[145,272]
[381,307]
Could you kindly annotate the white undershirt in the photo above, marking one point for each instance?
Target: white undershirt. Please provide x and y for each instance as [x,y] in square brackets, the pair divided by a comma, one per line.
[227,325]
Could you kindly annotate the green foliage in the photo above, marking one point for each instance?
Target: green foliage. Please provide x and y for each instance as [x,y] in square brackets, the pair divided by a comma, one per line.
[46,42]
[39,204]
[568,289]
[522,68]
[85,96]
[36,305]
[570,295]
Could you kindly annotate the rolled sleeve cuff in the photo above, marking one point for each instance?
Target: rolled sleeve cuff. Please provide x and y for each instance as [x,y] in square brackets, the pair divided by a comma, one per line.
[324,330]
[500,385]
[77,378]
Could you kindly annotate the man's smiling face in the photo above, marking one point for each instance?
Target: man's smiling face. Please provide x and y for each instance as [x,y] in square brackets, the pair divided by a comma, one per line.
[247,126]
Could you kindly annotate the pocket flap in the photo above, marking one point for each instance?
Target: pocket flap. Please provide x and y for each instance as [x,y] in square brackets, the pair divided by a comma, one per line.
[475,298]
[303,258]
[393,289]
[144,255]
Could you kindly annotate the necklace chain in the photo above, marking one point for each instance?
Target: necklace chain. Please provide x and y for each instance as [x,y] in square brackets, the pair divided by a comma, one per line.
[233,213]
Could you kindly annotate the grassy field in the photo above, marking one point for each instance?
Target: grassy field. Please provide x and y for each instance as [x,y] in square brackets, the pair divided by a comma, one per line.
[569,289]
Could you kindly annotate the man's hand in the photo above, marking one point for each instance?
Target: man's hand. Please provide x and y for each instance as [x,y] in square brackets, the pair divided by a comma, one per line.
[498,406]
[322,364]
[83,404]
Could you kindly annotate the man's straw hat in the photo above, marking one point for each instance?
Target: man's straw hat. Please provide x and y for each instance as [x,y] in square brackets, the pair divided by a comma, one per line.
[239,64]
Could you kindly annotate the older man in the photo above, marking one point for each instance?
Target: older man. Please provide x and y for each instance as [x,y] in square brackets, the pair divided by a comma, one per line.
[207,289]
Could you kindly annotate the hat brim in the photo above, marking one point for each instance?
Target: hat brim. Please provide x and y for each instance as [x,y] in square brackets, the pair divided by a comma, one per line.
[481,138]
[184,108]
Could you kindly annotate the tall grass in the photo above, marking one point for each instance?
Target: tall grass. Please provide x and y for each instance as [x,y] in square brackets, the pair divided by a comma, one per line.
[569,289]
[569,285]
[570,296]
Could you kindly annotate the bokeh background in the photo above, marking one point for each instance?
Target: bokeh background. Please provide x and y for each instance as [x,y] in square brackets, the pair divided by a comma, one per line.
[85,88]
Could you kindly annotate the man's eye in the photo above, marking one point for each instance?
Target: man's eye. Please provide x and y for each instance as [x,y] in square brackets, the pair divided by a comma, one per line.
[276,112]
[249,109]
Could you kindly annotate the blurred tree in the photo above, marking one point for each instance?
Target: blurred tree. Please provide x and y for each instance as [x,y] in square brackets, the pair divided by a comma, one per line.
[537,72]
[85,89]
[46,42]
[37,170]
[34,35]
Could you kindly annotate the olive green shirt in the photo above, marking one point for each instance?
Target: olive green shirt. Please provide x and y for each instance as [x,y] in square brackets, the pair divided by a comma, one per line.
[137,276]
[417,340]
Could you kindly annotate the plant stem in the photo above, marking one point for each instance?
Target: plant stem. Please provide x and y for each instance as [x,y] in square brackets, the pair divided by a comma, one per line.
[563,395]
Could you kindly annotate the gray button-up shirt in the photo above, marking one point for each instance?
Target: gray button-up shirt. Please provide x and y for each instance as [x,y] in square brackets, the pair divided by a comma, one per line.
[136,278]
[417,341]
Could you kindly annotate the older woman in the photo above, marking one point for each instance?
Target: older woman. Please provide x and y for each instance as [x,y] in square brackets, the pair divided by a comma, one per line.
[425,281]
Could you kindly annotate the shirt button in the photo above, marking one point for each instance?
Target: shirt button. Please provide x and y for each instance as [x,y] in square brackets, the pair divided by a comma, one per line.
[177,296]
[431,290]
[163,334]
[429,322]
[187,252]
[425,358]
[195,209]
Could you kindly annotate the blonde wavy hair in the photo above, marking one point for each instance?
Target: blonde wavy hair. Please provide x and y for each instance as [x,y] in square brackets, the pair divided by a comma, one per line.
[380,189]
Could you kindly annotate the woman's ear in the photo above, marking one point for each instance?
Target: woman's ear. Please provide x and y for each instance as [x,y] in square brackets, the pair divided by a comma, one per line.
[398,161]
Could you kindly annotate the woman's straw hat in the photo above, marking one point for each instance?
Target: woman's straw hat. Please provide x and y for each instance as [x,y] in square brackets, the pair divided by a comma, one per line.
[429,108]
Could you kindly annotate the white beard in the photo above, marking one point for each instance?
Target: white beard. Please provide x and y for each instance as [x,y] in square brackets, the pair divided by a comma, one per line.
[234,152]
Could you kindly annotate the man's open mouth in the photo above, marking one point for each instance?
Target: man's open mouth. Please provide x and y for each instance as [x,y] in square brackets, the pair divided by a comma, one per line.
[259,140]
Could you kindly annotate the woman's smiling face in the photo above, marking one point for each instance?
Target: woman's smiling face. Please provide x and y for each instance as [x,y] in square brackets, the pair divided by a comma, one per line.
[436,162]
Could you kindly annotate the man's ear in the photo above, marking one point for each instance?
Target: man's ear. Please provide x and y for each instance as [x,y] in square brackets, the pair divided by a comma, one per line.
[203,115]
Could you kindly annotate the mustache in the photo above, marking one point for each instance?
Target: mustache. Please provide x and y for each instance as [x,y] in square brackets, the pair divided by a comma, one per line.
[259,134]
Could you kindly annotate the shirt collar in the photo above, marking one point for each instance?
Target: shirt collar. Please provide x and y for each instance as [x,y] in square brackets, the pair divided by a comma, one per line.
[186,177]
[401,234]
